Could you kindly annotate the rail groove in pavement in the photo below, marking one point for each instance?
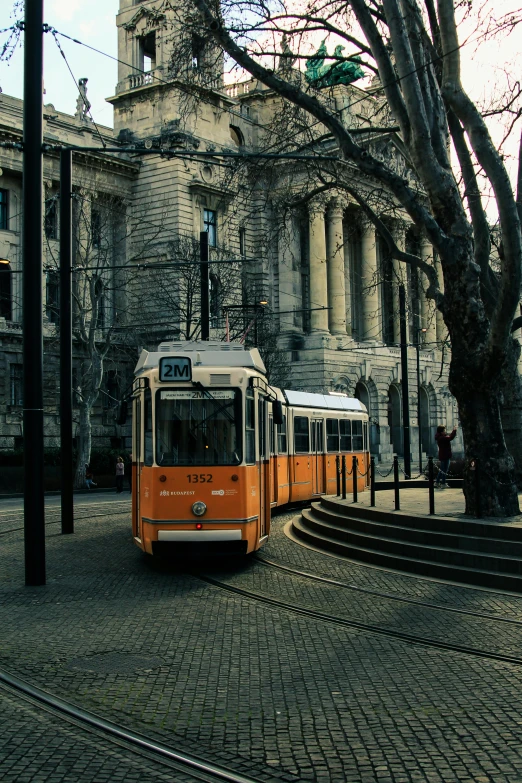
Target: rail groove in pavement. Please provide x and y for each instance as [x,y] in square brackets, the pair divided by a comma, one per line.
[199,768]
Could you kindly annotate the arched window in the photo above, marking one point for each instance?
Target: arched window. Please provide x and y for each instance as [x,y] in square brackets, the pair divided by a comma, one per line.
[236,135]
[395,419]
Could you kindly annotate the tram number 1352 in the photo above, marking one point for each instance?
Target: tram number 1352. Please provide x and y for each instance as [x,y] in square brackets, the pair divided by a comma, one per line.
[199,478]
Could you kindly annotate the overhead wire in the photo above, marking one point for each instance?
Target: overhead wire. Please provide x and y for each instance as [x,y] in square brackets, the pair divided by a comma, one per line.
[76,83]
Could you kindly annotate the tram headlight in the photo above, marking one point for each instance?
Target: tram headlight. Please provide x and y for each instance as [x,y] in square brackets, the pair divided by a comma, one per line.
[199,508]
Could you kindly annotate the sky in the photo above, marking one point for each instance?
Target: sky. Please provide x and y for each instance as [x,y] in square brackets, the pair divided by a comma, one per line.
[93,22]
[90,21]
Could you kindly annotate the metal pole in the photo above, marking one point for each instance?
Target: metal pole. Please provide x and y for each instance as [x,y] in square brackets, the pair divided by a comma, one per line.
[396,483]
[255,325]
[431,487]
[343,476]
[417,346]
[354,471]
[205,282]
[404,383]
[372,481]
[34,507]
[338,474]
[66,406]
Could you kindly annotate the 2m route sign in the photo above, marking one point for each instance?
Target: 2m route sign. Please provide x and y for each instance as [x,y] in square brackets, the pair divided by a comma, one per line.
[175,368]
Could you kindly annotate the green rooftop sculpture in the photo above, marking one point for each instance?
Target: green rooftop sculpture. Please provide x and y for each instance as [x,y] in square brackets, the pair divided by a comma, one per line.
[321,75]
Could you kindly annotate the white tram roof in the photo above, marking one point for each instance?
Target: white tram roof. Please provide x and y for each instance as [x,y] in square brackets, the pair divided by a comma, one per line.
[204,354]
[301,399]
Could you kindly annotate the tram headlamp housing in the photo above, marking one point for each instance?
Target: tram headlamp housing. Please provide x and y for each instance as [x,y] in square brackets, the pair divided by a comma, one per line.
[199,508]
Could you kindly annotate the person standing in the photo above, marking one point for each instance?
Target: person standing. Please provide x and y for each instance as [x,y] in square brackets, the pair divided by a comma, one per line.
[120,473]
[444,443]
[89,478]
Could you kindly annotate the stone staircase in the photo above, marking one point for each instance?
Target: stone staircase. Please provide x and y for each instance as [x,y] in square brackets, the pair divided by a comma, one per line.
[477,552]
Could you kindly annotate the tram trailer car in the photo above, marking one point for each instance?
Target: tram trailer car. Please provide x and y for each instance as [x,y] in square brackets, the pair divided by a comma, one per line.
[215,448]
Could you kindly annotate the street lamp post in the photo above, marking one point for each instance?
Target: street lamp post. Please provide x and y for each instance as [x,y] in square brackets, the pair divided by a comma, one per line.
[417,348]
[404,383]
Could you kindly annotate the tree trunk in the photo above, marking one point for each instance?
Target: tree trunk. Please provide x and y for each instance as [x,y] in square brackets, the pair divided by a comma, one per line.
[492,492]
[511,408]
[84,448]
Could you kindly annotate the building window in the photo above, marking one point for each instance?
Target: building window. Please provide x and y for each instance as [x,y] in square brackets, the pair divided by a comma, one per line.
[113,392]
[4,208]
[96,227]
[242,242]
[215,299]
[16,379]
[198,50]
[6,302]
[210,226]
[99,303]
[52,299]
[148,52]
[51,219]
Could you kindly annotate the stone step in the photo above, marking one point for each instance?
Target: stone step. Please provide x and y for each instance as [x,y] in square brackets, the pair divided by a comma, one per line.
[433,538]
[437,524]
[451,557]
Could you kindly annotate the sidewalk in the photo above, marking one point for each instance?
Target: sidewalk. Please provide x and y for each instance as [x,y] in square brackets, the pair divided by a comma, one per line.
[448,503]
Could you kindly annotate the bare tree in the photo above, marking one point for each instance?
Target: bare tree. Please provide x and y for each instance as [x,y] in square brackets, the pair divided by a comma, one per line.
[414,53]
[103,271]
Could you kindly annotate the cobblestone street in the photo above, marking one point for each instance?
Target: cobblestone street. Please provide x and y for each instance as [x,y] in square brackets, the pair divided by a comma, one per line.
[253,687]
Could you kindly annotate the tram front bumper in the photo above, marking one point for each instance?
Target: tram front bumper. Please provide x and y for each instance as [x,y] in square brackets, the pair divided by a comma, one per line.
[199,535]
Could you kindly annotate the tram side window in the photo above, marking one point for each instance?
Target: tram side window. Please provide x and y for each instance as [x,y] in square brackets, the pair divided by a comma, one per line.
[149,453]
[357,435]
[332,435]
[281,436]
[301,435]
[250,430]
[345,427]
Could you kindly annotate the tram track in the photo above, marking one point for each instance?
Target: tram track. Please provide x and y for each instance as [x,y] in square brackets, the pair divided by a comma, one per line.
[194,768]
[389,596]
[56,515]
[357,625]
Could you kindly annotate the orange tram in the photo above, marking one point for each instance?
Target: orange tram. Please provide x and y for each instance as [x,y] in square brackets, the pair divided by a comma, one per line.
[215,448]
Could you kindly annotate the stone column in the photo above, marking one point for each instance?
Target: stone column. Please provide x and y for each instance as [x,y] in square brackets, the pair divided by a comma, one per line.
[371,317]
[288,260]
[399,277]
[440,326]
[348,282]
[336,289]
[318,279]
[427,309]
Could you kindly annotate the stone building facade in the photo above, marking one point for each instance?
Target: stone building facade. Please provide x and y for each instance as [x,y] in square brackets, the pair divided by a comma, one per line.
[332,291]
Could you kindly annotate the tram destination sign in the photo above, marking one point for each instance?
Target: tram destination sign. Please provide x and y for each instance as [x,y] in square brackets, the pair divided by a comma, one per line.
[190,394]
[175,368]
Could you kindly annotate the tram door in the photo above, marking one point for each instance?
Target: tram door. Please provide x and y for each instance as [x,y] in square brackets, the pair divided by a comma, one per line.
[273,461]
[263,466]
[316,456]
[137,462]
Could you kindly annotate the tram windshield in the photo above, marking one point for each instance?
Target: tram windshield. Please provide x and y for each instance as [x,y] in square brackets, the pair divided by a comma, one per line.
[195,429]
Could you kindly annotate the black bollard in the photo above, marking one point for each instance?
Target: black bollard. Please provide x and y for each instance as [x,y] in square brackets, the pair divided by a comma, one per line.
[343,476]
[372,481]
[396,483]
[478,504]
[355,468]
[431,485]
[338,474]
